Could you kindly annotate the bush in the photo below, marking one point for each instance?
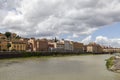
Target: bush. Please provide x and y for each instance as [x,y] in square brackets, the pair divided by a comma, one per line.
[110,62]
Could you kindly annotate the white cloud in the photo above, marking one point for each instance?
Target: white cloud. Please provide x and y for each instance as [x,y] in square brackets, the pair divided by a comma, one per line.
[108,42]
[87,40]
[75,36]
[104,41]
[45,18]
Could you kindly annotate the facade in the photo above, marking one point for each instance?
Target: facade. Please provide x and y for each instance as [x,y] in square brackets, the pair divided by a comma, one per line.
[94,48]
[85,48]
[52,46]
[31,44]
[41,45]
[2,37]
[117,50]
[26,44]
[60,46]
[37,45]
[18,46]
[13,35]
[68,46]
[78,47]
[111,50]
[3,46]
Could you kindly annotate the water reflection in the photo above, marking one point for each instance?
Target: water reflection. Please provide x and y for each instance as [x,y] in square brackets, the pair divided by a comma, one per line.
[60,68]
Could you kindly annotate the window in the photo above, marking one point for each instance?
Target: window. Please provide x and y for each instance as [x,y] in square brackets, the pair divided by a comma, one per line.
[14,46]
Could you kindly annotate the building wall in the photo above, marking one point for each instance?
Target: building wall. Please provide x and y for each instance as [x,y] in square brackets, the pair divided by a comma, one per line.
[18,46]
[99,49]
[2,37]
[90,49]
[42,45]
[111,50]
[13,35]
[60,47]
[52,46]
[3,45]
[117,50]
[78,47]
[94,48]
[68,46]
[32,44]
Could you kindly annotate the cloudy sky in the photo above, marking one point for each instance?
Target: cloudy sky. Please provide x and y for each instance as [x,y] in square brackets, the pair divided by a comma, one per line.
[78,20]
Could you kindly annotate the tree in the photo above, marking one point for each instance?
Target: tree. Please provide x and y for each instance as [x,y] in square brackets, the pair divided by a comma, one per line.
[18,37]
[8,34]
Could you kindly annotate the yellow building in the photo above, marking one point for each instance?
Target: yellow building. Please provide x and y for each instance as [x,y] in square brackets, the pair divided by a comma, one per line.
[18,46]
[2,37]
[3,46]
[94,48]
[111,50]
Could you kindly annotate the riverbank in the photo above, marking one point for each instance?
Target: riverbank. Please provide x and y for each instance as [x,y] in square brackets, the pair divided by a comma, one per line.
[4,55]
[113,64]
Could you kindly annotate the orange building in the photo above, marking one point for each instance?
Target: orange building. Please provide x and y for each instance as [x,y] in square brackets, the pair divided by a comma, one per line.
[3,46]
[78,47]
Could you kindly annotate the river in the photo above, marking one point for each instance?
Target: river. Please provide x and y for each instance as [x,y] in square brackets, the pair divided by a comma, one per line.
[88,67]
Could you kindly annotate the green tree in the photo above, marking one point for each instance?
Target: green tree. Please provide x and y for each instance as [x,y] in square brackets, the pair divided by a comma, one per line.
[18,37]
[8,34]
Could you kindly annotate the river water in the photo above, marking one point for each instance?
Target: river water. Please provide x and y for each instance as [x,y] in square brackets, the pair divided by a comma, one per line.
[89,67]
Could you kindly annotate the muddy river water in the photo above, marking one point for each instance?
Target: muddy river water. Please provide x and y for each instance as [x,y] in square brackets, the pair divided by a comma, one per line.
[88,67]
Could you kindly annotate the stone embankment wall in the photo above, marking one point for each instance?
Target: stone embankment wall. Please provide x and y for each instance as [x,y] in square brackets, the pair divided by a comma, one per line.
[30,54]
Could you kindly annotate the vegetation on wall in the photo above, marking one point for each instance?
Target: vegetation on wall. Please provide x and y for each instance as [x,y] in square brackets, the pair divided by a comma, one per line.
[110,62]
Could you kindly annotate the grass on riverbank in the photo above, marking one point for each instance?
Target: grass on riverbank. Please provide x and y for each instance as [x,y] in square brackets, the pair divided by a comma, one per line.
[110,62]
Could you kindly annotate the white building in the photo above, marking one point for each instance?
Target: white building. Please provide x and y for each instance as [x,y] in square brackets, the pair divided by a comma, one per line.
[60,46]
[68,46]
